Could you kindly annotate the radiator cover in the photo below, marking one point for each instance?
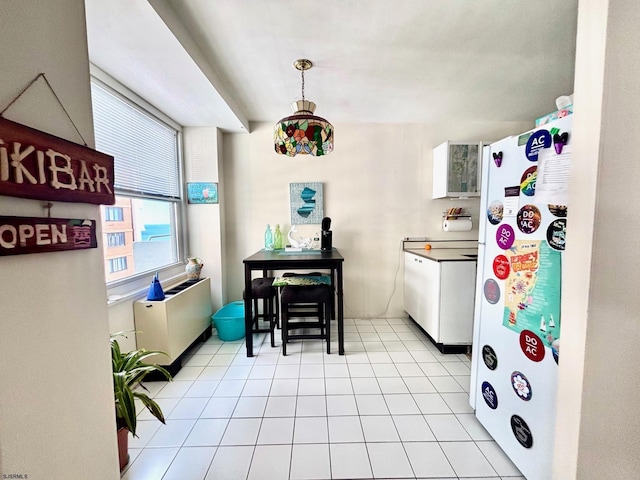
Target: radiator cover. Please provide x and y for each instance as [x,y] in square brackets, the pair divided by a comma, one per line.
[172,325]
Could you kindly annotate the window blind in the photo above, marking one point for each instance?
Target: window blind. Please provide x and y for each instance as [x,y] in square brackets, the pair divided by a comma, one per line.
[145,150]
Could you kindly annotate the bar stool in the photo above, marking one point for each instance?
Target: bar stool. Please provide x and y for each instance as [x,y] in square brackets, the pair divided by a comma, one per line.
[308,301]
[262,289]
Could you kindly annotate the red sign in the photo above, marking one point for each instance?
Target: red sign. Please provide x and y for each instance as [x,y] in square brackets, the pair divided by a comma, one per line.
[19,235]
[34,164]
[531,346]
[501,267]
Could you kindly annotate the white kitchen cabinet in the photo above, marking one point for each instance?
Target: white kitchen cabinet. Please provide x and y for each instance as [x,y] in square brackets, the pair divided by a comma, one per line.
[439,296]
[457,169]
[412,281]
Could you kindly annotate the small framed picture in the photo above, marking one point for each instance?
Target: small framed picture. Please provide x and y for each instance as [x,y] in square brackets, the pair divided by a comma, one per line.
[202,192]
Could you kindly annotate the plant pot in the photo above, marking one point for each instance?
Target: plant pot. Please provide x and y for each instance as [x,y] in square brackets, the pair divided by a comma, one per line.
[123,447]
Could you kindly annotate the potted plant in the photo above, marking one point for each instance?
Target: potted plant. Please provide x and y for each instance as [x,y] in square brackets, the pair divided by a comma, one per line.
[129,370]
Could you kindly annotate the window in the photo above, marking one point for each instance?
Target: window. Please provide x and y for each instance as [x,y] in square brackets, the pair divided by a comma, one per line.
[116,239]
[117,264]
[113,214]
[141,231]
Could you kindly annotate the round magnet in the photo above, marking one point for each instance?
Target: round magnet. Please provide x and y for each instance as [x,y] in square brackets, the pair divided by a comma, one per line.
[505,236]
[501,267]
[556,234]
[531,346]
[521,386]
[528,219]
[537,141]
[489,395]
[528,181]
[490,358]
[494,212]
[558,210]
[491,291]
[521,431]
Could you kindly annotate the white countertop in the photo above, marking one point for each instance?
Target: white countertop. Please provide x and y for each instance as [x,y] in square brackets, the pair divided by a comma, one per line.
[445,254]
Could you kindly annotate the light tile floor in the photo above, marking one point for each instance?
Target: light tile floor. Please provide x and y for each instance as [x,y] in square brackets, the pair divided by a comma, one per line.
[391,407]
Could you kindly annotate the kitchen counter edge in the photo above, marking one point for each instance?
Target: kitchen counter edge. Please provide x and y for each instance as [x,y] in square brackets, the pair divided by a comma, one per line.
[445,254]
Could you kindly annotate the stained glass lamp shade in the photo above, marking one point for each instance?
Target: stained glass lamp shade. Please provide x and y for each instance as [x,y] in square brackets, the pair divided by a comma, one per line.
[303,132]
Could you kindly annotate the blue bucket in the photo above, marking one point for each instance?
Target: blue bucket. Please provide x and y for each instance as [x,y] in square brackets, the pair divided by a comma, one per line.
[229,321]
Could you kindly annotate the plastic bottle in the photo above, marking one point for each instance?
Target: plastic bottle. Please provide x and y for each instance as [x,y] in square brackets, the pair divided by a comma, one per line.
[268,238]
[277,238]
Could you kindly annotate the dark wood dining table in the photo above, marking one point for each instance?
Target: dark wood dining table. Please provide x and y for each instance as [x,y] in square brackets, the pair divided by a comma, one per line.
[267,261]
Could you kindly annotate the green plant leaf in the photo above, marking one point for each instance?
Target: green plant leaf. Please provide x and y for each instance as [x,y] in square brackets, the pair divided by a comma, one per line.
[125,403]
[129,370]
[151,405]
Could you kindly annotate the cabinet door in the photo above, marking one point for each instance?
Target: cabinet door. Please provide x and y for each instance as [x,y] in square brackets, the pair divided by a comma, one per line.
[458,280]
[411,282]
[457,169]
[430,299]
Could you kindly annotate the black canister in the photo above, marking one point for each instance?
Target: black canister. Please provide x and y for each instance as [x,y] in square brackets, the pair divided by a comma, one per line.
[326,241]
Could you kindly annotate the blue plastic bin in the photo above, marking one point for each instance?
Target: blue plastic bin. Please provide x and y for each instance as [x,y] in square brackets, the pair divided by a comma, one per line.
[229,321]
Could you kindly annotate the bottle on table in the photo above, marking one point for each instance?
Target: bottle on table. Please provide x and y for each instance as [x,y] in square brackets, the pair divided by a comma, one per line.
[277,238]
[268,238]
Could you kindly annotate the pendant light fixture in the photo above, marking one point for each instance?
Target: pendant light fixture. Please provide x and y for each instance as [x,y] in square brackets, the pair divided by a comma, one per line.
[303,132]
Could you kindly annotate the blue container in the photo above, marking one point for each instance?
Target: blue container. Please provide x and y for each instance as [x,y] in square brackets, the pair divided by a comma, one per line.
[229,321]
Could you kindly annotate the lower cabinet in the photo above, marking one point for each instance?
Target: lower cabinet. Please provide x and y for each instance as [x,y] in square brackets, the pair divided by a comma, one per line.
[439,296]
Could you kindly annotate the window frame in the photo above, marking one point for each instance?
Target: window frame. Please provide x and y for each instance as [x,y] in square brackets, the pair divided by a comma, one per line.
[119,237]
[112,261]
[133,284]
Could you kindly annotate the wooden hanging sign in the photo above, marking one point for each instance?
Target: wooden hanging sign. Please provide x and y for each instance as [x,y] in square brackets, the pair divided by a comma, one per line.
[35,164]
[19,235]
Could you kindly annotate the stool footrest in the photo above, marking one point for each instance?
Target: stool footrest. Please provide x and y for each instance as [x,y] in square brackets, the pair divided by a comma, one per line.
[299,325]
[307,336]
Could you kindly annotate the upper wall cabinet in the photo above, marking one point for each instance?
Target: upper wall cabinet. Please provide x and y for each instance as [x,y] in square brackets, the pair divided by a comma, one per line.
[457,169]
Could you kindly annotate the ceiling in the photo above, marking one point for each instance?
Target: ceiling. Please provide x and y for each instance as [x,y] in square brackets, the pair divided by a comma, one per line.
[227,63]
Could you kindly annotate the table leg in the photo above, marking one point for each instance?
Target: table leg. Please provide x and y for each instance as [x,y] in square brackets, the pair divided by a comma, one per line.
[247,311]
[333,300]
[340,312]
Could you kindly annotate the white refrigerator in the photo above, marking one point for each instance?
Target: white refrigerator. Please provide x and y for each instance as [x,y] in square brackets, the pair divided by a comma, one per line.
[516,342]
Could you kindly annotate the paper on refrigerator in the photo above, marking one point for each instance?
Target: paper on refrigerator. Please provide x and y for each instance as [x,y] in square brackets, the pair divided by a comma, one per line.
[552,182]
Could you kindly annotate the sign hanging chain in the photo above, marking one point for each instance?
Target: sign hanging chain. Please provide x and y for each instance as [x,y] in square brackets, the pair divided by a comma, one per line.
[54,94]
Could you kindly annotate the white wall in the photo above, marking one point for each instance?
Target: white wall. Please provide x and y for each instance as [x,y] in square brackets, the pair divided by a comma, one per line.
[599,385]
[204,221]
[57,417]
[377,189]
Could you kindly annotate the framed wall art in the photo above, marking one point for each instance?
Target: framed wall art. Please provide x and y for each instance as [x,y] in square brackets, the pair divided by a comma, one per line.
[307,203]
[202,192]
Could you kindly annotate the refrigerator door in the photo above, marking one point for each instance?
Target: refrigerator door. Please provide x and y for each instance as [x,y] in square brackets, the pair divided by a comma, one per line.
[518,305]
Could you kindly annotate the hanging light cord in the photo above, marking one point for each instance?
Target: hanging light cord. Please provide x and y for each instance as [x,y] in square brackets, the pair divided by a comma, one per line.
[302,85]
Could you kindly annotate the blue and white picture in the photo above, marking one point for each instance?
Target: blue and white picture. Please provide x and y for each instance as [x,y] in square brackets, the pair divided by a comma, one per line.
[306,201]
